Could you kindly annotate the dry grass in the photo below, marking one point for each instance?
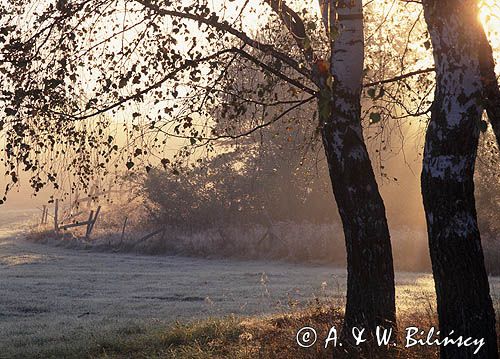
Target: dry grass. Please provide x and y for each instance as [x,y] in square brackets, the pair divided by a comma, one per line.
[282,241]
[274,337]
[285,242]
[271,337]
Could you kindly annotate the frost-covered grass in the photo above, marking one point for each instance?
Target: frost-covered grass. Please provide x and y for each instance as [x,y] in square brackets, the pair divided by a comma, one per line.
[61,303]
[271,336]
[58,302]
[304,242]
[284,241]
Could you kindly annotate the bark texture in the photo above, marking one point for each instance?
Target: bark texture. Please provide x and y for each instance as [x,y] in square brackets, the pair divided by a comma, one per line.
[464,303]
[370,281]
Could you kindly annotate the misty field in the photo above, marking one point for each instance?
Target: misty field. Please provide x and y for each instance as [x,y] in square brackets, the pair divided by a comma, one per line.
[74,303]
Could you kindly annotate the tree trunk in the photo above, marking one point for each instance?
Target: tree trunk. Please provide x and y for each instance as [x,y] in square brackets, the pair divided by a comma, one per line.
[491,90]
[370,280]
[464,303]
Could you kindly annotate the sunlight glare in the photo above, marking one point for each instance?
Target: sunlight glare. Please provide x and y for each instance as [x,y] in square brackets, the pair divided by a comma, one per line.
[490,18]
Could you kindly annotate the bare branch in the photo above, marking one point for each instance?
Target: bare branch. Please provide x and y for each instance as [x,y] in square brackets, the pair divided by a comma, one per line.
[400,77]
[275,119]
[274,71]
[249,100]
[246,133]
[295,26]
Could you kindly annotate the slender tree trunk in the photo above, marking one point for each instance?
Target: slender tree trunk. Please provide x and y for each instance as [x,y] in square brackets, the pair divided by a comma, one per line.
[464,303]
[370,280]
[488,76]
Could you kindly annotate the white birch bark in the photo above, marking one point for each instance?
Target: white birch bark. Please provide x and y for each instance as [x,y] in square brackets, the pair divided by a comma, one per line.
[462,290]
[347,55]
[370,299]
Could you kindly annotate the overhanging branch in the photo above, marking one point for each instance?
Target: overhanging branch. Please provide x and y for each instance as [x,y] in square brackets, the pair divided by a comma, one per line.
[207,140]
[274,71]
[226,27]
[171,75]
[400,77]
[295,26]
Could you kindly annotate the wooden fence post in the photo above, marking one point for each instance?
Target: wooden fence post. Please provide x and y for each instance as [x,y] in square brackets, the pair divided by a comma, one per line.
[89,225]
[95,218]
[76,203]
[43,214]
[92,220]
[123,229]
[56,210]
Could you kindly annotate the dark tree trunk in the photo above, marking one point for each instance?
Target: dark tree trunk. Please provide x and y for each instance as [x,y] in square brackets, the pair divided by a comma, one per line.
[488,76]
[464,302]
[370,280]
[370,275]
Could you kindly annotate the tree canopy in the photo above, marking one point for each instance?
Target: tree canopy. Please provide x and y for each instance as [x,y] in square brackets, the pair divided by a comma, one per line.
[98,86]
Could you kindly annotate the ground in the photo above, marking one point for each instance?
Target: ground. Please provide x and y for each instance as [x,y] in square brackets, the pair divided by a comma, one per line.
[59,302]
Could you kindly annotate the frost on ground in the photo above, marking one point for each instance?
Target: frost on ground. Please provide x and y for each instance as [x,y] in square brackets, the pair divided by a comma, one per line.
[57,300]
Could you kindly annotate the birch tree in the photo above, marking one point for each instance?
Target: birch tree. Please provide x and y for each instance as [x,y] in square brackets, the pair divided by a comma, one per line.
[464,303]
[370,299]
[78,60]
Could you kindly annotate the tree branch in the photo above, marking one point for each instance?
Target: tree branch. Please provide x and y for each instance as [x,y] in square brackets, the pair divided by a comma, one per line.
[328,14]
[213,21]
[187,64]
[249,100]
[243,134]
[274,71]
[295,26]
[265,124]
[400,77]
